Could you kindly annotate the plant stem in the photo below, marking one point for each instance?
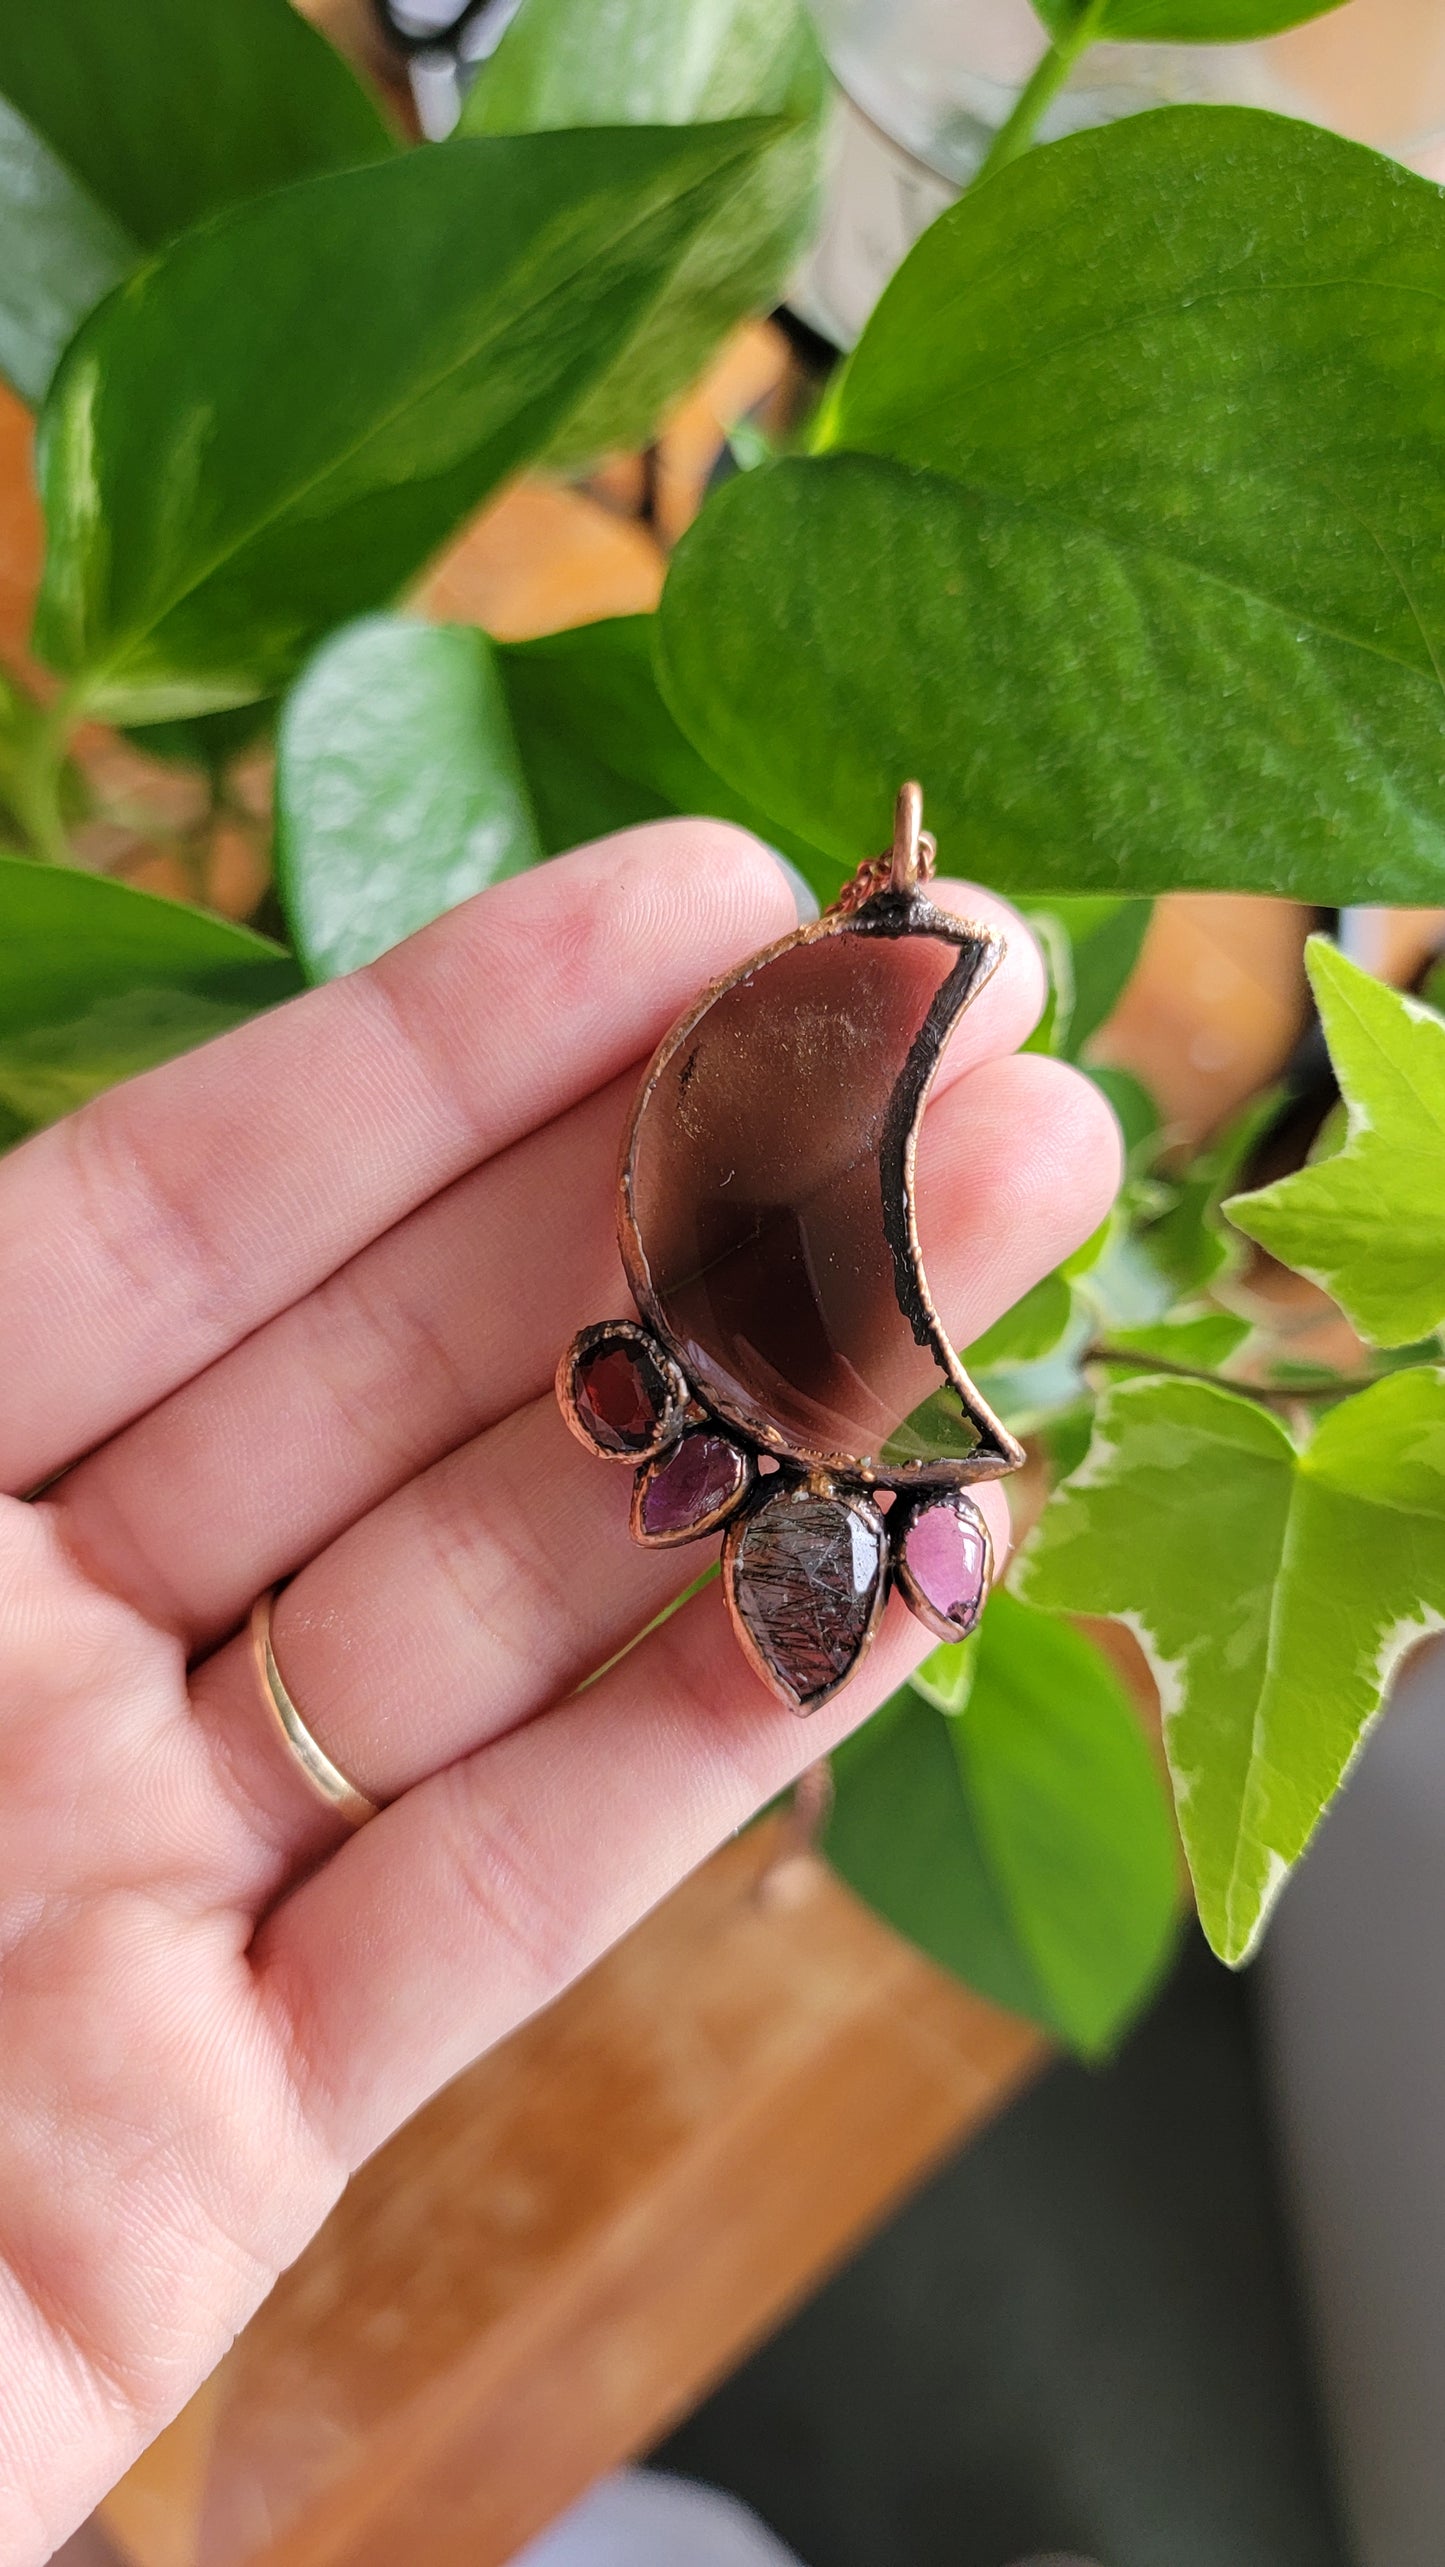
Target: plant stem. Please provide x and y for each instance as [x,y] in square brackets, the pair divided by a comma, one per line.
[35,785]
[1285,1395]
[1039,91]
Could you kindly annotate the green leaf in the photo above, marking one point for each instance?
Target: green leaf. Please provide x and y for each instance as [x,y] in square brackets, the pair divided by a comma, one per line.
[97,982]
[1137,1113]
[168,111]
[602,751]
[1107,937]
[1189,1242]
[1103,939]
[1194,640]
[270,427]
[1032,1328]
[946,1676]
[1184,22]
[416,763]
[1205,1339]
[62,253]
[1024,1842]
[1273,1591]
[1367,1222]
[672,62]
[398,788]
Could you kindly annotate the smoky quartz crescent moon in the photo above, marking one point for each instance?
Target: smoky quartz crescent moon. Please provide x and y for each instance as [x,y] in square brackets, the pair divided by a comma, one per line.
[767,1217]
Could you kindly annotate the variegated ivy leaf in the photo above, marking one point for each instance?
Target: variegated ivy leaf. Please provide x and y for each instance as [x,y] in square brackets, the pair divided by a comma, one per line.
[1274,1591]
[1367,1222]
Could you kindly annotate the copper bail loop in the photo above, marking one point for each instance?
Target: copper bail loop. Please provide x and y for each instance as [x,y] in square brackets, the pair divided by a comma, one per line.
[913,853]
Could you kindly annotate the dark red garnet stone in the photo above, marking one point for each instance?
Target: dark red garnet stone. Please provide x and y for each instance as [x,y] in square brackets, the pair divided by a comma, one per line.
[621,1396]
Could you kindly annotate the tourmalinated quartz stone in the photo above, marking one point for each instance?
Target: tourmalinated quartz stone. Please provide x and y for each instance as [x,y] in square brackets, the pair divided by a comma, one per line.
[622,1392]
[943,1560]
[689,1490]
[805,1577]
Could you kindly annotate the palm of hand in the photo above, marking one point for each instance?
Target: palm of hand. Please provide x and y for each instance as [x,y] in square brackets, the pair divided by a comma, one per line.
[297,1300]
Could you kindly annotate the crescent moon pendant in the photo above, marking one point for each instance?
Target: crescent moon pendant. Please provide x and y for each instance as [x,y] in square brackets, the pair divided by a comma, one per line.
[789,1365]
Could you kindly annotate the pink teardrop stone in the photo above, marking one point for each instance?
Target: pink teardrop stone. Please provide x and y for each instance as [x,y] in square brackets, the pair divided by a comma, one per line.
[947,1560]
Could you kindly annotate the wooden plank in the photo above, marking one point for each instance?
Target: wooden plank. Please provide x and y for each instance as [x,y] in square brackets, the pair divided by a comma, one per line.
[561,2254]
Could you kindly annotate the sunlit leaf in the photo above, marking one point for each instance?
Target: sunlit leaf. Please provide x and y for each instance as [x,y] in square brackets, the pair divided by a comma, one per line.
[1274,1591]
[1367,1220]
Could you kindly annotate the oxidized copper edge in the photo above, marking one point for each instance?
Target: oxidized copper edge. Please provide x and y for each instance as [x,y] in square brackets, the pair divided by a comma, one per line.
[886,913]
[790,1492]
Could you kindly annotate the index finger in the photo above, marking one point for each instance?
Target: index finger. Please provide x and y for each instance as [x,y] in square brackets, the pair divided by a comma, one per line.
[145,1235]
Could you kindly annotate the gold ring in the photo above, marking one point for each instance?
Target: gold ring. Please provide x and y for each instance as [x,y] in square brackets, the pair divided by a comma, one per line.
[326,1780]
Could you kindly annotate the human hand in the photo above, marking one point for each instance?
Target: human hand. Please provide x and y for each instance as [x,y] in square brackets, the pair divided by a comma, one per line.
[297,1301]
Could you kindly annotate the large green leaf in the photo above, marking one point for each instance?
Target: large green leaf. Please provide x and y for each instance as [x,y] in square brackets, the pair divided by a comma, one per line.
[417,762]
[1182,22]
[1367,1223]
[1274,1592]
[1020,1836]
[164,111]
[398,787]
[62,253]
[97,981]
[1143,571]
[672,62]
[271,427]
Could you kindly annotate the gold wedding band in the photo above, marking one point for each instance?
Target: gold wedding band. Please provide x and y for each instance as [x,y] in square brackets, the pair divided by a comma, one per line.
[326,1780]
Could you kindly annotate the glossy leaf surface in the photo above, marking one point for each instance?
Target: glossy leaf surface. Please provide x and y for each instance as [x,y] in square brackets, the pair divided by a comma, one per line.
[97,982]
[227,474]
[1367,1222]
[672,62]
[1009,1820]
[165,111]
[1274,1592]
[1192,641]
[399,790]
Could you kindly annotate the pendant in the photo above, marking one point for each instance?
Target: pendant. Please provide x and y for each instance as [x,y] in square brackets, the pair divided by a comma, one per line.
[788,1380]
